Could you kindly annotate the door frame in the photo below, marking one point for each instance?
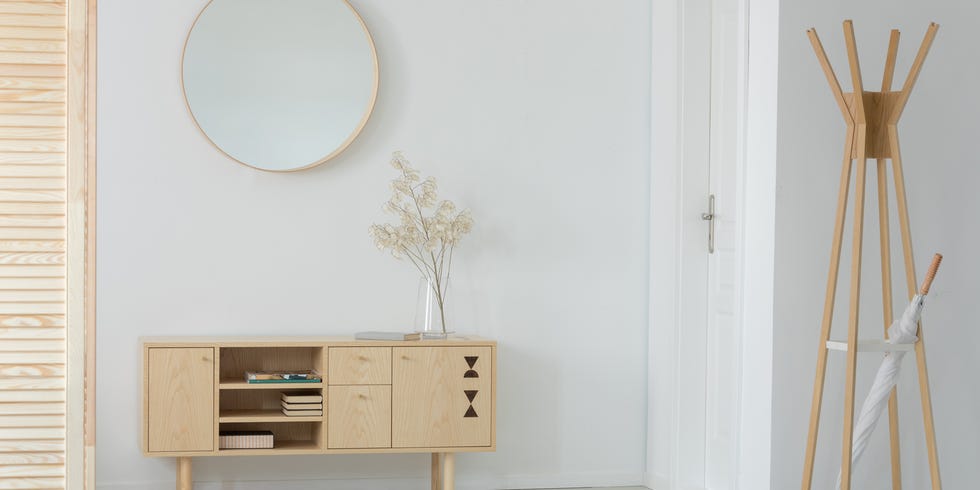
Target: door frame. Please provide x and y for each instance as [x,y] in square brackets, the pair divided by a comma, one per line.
[672,463]
[80,245]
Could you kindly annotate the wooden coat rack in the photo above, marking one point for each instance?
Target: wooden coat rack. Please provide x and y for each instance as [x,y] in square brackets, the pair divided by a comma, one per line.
[872,132]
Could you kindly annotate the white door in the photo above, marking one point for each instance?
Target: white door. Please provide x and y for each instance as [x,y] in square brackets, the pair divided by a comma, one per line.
[722,278]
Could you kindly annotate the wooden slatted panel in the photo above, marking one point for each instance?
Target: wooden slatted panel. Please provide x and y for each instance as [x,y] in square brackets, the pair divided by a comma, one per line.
[32,243]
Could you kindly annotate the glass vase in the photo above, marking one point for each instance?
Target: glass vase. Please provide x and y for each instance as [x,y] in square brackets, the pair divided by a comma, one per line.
[431,320]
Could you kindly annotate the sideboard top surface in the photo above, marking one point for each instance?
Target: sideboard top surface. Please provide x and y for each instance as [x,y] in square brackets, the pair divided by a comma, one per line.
[299,341]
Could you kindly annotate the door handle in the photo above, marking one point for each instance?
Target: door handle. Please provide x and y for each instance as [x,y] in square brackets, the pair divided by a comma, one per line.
[710,218]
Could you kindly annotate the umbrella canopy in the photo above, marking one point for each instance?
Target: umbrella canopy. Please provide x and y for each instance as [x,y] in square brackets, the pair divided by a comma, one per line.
[902,331]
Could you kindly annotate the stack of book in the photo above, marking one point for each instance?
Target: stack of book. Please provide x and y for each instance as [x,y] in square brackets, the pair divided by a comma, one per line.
[282,377]
[301,404]
[245,439]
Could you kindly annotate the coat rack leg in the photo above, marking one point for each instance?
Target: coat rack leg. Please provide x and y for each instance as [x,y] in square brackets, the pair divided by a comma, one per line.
[920,352]
[887,307]
[852,331]
[828,312]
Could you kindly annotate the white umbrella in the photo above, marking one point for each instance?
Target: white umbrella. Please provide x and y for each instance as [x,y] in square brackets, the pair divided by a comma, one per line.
[902,331]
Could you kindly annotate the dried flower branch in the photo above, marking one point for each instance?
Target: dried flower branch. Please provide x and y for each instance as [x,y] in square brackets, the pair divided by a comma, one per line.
[427,241]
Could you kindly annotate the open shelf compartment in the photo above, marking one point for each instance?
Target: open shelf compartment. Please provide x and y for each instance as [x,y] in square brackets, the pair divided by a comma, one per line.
[234,362]
[296,437]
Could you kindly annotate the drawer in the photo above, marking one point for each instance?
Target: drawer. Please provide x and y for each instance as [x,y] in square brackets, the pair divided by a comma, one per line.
[359,417]
[359,366]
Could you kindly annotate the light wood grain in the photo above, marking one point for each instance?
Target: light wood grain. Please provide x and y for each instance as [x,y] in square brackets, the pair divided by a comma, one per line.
[31,446]
[31,358]
[32,320]
[429,402]
[22,271]
[884,237]
[33,158]
[262,415]
[359,417]
[53,370]
[32,471]
[32,396]
[33,7]
[33,58]
[362,413]
[359,365]
[46,33]
[449,471]
[27,408]
[23,333]
[872,133]
[436,477]
[32,183]
[32,170]
[31,120]
[33,383]
[185,480]
[828,311]
[33,345]
[34,83]
[180,397]
[33,259]
[35,483]
[32,420]
[32,308]
[32,296]
[920,350]
[33,433]
[31,195]
[235,362]
[33,387]
[829,73]
[31,95]
[31,458]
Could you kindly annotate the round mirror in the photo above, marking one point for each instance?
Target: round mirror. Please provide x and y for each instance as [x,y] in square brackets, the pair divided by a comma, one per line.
[280,85]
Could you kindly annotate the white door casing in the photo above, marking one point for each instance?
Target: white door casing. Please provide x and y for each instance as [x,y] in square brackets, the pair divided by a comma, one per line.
[703,431]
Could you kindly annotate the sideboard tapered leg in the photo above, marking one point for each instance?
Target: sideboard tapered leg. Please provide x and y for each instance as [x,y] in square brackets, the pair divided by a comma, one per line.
[436,472]
[449,471]
[184,480]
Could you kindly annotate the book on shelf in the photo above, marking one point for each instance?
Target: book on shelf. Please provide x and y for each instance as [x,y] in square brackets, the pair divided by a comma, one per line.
[245,439]
[302,413]
[387,336]
[282,377]
[302,406]
[301,397]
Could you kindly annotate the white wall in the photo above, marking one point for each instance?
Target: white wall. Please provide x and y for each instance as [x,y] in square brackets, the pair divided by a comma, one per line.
[533,114]
[939,128]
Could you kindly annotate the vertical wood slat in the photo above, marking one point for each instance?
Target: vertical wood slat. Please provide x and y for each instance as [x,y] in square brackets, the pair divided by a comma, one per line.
[33,243]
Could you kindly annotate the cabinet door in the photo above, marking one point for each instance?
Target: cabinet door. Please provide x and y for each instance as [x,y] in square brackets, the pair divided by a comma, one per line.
[180,399]
[441,397]
[359,417]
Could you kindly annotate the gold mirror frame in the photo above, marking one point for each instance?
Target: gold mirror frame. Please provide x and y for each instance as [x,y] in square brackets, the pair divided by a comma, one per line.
[343,146]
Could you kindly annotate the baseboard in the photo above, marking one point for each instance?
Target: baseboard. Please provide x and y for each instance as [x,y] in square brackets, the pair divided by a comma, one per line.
[655,482]
[658,482]
[462,483]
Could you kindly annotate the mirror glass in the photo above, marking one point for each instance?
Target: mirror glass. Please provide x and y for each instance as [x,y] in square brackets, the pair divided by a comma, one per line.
[280,84]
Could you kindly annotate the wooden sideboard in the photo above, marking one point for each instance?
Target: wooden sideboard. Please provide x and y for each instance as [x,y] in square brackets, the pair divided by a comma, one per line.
[430,396]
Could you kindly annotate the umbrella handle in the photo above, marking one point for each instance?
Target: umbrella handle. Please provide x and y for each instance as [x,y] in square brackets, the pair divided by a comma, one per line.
[930,274]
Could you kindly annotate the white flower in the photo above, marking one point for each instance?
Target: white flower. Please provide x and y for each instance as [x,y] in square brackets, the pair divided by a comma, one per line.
[427,241]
